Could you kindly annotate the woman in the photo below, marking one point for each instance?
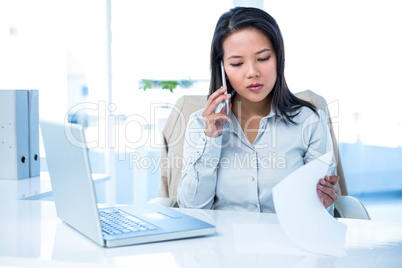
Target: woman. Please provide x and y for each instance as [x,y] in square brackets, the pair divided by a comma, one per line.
[233,160]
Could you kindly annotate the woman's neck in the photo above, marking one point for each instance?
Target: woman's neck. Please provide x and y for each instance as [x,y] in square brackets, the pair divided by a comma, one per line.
[245,109]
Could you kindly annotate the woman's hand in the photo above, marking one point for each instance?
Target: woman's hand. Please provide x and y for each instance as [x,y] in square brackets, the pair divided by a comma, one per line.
[214,121]
[327,190]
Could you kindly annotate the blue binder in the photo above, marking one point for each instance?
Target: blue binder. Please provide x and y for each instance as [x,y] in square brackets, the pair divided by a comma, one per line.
[19,134]
[33,121]
[14,146]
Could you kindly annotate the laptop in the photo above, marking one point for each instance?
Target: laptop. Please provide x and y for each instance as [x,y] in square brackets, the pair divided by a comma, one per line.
[76,204]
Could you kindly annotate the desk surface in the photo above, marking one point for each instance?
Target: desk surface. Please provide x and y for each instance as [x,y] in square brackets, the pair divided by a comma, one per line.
[33,236]
[35,188]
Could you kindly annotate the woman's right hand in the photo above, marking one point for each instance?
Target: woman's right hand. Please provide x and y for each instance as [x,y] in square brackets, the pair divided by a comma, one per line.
[214,121]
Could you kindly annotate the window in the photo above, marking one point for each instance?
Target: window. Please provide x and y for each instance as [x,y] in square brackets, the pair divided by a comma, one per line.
[349,52]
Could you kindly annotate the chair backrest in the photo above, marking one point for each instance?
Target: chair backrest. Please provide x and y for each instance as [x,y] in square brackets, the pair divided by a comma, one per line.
[173,136]
[174,133]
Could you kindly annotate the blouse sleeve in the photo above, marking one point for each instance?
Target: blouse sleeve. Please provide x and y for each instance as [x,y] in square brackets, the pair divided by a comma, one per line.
[318,141]
[316,137]
[201,155]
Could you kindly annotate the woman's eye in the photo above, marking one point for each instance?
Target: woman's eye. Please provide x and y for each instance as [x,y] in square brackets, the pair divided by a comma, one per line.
[236,64]
[264,59]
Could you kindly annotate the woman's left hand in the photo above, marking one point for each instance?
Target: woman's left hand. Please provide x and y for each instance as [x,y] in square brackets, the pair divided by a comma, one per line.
[327,190]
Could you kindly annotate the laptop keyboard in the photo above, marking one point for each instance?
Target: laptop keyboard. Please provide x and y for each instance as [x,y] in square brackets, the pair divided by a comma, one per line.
[116,222]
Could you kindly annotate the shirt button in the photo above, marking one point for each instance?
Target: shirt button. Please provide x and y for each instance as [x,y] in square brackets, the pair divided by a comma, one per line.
[253,152]
[255,206]
[252,179]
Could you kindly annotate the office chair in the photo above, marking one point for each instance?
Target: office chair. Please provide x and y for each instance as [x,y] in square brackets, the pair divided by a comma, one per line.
[173,138]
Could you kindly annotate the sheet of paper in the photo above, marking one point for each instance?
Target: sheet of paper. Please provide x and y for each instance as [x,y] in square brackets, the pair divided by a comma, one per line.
[301,214]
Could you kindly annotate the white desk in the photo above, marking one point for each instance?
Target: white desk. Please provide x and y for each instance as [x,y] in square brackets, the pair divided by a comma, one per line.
[37,188]
[32,235]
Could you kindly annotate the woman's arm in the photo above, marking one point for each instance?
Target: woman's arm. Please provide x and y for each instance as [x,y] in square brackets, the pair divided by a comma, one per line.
[316,137]
[327,190]
[318,141]
[201,155]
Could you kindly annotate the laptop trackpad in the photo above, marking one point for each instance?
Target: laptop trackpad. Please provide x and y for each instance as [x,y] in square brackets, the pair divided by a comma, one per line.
[161,216]
[171,214]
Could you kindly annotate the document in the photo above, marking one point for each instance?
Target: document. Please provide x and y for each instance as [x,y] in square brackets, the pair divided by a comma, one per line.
[301,213]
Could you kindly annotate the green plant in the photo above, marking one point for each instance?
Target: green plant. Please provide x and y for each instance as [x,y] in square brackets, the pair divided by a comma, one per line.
[164,84]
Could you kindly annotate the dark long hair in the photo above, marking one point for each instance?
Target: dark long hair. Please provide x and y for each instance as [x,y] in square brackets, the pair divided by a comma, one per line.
[284,102]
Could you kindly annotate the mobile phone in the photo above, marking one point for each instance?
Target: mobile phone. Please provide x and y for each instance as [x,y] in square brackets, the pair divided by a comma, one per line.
[225,102]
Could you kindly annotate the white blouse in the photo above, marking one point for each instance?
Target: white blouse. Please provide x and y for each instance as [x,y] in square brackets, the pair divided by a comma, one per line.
[229,173]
